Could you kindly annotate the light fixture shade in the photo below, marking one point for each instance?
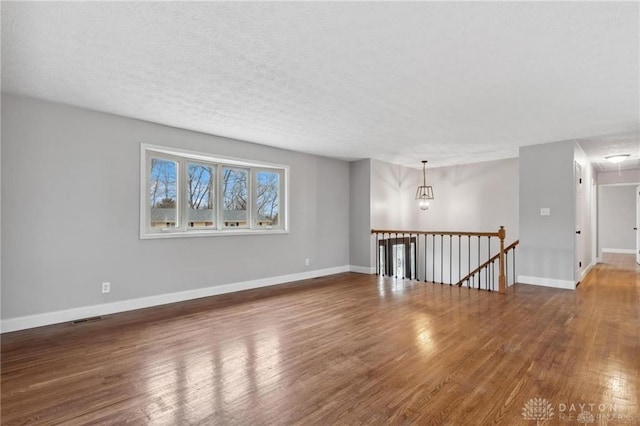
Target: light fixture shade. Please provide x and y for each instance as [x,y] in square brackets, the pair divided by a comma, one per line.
[424,192]
[617,158]
[423,195]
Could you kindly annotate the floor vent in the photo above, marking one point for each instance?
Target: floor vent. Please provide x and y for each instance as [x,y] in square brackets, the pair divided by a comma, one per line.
[83,320]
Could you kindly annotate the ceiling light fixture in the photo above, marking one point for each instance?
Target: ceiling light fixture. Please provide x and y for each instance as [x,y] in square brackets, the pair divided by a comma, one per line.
[424,192]
[617,158]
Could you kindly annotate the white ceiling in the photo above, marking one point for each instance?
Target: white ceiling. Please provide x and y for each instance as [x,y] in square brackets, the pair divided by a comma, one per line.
[400,82]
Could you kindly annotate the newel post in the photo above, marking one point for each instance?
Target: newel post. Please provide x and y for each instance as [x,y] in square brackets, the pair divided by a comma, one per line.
[502,278]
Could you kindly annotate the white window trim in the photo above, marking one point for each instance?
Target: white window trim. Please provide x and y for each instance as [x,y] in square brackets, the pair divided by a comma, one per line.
[179,154]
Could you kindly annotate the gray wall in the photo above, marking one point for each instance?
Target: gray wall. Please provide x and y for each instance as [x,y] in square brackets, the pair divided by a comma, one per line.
[547,242]
[360,213]
[469,197]
[70,213]
[476,197]
[0,211]
[622,176]
[393,189]
[617,217]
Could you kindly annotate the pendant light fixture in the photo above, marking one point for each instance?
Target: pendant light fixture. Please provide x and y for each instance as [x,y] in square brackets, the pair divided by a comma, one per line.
[424,192]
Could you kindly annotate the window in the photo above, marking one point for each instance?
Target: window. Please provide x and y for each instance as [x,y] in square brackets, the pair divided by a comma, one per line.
[201,195]
[163,193]
[235,195]
[267,198]
[193,194]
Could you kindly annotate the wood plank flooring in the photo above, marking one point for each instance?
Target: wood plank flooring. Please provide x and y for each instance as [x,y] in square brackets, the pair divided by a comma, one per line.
[345,349]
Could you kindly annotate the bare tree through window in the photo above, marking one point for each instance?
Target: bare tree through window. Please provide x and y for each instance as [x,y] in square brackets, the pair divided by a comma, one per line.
[268,198]
[200,195]
[163,193]
[163,183]
[235,193]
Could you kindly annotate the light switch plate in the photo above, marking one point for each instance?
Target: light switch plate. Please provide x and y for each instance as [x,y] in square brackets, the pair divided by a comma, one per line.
[545,211]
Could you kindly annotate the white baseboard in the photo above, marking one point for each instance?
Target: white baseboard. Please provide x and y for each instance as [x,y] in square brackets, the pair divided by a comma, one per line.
[547,282]
[599,260]
[586,271]
[38,320]
[362,269]
[623,251]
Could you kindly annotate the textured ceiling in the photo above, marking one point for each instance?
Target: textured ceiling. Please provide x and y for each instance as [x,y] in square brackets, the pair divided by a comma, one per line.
[400,82]
[598,148]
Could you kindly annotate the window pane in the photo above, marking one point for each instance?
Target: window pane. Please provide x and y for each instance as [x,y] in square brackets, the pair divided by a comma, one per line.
[235,192]
[200,196]
[268,198]
[163,193]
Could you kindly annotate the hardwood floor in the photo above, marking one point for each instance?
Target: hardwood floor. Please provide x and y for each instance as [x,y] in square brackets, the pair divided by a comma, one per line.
[345,349]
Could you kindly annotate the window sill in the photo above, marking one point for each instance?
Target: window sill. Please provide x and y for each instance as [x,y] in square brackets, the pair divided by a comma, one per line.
[216,233]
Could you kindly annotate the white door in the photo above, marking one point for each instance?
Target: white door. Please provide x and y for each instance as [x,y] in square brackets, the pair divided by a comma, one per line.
[579,248]
[638,224]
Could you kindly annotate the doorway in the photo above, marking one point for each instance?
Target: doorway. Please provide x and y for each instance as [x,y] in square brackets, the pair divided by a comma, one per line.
[397,257]
[618,220]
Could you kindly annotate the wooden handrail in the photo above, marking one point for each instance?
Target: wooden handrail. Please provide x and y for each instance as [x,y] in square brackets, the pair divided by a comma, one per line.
[485,264]
[456,233]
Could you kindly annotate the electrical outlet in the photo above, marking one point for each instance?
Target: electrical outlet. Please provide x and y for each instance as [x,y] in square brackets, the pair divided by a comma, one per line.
[545,211]
[106,287]
[306,262]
